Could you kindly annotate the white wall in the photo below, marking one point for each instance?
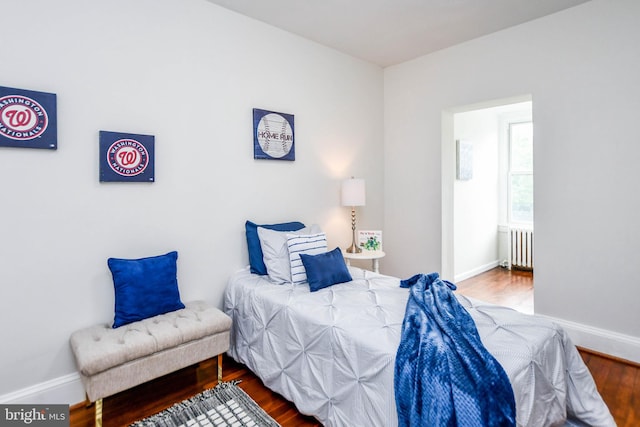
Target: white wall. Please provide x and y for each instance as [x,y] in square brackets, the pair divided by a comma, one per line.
[189,73]
[581,67]
[475,213]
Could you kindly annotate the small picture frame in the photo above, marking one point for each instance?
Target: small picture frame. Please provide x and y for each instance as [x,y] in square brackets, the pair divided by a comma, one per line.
[126,157]
[370,240]
[273,135]
[464,160]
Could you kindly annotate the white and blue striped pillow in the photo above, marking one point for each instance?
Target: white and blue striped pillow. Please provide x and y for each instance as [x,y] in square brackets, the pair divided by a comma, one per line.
[310,244]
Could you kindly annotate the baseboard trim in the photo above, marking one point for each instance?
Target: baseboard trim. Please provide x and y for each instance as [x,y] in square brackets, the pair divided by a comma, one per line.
[66,390]
[610,343]
[478,270]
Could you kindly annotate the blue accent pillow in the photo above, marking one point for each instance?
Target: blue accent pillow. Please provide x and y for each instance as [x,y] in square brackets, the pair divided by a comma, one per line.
[253,242]
[324,270]
[144,287]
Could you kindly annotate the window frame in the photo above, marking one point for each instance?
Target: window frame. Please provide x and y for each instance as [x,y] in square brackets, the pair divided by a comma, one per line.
[511,172]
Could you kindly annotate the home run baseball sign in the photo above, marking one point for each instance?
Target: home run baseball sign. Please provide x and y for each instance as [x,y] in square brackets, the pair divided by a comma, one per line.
[273,136]
[126,157]
[28,119]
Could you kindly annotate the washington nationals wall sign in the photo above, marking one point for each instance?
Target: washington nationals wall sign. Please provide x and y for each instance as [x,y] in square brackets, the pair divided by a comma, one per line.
[126,157]
[273,135]
[28,119]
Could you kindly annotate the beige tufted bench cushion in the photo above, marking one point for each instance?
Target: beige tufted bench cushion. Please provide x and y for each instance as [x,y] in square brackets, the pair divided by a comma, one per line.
[112,360]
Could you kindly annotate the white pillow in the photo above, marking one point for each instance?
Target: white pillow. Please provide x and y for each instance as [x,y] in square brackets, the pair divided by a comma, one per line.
[312,244]
[275,252]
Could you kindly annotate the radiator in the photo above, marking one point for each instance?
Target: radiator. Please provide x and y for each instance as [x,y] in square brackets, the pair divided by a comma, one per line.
[521,253]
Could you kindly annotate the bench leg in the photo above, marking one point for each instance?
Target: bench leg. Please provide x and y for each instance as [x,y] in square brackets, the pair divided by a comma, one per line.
[99,413]
[220,368]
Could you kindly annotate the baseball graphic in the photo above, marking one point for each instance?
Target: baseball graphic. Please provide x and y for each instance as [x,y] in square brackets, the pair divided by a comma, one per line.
[275,135]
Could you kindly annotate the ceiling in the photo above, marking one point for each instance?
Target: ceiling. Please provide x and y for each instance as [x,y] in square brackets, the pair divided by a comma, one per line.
[388,32]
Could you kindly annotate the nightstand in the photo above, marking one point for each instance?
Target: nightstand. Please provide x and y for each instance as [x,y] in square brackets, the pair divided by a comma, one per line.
[374,256]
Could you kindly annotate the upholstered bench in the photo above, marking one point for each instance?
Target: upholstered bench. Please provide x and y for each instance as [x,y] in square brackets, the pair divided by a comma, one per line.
[112,360]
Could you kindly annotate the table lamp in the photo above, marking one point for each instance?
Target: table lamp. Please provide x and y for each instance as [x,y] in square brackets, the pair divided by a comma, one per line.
[353,194]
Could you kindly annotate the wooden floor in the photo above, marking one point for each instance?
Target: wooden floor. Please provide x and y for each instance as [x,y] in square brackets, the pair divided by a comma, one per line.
[511,288]
[617,381]
[155,396]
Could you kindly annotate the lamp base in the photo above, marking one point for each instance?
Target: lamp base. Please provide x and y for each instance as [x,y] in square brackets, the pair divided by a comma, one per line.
[353,249]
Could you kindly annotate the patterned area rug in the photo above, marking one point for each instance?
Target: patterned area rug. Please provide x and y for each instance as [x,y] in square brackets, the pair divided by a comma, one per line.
[224,405]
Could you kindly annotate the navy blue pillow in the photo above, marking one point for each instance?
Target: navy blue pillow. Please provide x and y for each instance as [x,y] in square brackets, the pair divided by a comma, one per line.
[324,270]
[144,287]
[253,242]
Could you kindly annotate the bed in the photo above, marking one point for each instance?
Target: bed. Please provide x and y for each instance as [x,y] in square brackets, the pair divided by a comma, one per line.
[332,352]
[327,337]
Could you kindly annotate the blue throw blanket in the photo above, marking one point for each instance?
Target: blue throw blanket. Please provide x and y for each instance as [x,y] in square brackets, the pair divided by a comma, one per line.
[444,376]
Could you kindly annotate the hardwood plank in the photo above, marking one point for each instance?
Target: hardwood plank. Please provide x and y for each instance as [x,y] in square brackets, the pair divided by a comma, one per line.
[510,288]
[619,385]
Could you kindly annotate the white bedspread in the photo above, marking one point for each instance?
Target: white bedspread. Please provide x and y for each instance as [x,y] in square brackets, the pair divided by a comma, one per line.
[332,352]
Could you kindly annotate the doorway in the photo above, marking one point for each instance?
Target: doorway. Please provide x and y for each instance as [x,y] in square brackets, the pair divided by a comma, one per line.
[487,176]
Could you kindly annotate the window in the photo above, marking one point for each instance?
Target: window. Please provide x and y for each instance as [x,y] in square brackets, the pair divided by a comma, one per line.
[521,172]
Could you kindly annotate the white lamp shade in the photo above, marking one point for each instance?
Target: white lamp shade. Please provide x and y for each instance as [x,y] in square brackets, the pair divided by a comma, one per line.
[353,192]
